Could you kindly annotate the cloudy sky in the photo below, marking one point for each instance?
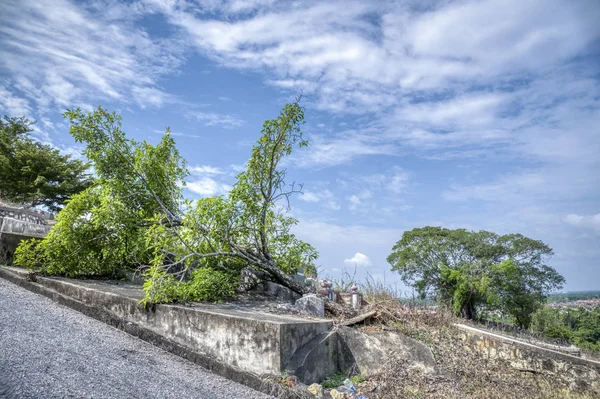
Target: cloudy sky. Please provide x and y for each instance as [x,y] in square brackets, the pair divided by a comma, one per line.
[475,114]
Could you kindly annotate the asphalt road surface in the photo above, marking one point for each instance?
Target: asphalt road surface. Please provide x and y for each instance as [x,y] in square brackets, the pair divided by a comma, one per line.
[50,351]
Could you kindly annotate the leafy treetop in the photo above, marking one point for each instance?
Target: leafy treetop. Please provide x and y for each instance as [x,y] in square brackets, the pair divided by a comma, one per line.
[33,173]
[468,270]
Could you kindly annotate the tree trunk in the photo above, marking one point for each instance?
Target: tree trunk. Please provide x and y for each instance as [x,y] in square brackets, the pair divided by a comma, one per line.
[468,311]
[283,279]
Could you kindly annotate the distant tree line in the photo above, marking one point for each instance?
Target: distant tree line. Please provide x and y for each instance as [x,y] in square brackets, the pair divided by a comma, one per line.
[573,296]
[578,326]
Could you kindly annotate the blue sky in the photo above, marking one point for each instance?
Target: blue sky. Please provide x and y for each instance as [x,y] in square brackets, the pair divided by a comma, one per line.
[475,114]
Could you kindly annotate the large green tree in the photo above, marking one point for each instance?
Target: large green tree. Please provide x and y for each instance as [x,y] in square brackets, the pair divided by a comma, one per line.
[468,270]
[33,173]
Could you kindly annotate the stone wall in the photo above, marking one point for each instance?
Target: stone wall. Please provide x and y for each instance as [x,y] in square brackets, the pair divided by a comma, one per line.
[573,370]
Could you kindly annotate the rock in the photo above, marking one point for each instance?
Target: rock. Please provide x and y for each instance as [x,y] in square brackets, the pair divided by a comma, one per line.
[341,393]
[281,292]
[250,279]
[369,351]
[316,389]
[311,305]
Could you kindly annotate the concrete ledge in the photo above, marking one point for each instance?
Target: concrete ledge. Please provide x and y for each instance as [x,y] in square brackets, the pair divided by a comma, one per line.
[526,356]
[249,348]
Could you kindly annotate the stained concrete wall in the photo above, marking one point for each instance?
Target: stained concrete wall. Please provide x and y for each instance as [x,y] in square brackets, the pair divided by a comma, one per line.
[17,225]
[522,355]
[24,215]
[23,228]
[255,342]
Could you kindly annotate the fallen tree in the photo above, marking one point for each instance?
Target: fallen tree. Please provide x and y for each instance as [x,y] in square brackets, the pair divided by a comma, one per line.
[249,227]
[174,237]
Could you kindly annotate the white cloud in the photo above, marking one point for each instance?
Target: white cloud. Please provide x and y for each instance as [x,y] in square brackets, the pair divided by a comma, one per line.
[150,96]
[398,181]
[13,106]
[60,54]
[359,260]
[561,183]
[357,199]
[359,63]
[354,201]
[340,148]
[205,170]
[589,221]
[207,187]
[310,197]
[237,168]
[216,119]
[205,182]
[451,80]
[325,197]
[395,180]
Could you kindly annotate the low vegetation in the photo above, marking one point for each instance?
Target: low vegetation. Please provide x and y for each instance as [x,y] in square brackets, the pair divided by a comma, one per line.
[462,371]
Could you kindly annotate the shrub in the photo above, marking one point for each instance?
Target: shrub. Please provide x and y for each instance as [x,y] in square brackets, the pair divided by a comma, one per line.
[94,236]
[209,285]
[205,285]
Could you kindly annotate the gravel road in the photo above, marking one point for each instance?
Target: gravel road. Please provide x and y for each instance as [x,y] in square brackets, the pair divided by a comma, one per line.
[50,351]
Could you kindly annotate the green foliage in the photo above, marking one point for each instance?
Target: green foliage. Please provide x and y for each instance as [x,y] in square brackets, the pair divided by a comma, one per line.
[337,380]
[579,326]
[334,381]
[246,227]
[94,235]
[132,215]
[161,287]
[103,228]
[211,285]
[469,270]
[205,285]
[33,173]
[148,178]
[259,190]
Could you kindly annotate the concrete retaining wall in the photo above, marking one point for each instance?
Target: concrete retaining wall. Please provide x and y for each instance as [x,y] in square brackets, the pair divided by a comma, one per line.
[255,348]
[244,346]
[525,356]
[13,231]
